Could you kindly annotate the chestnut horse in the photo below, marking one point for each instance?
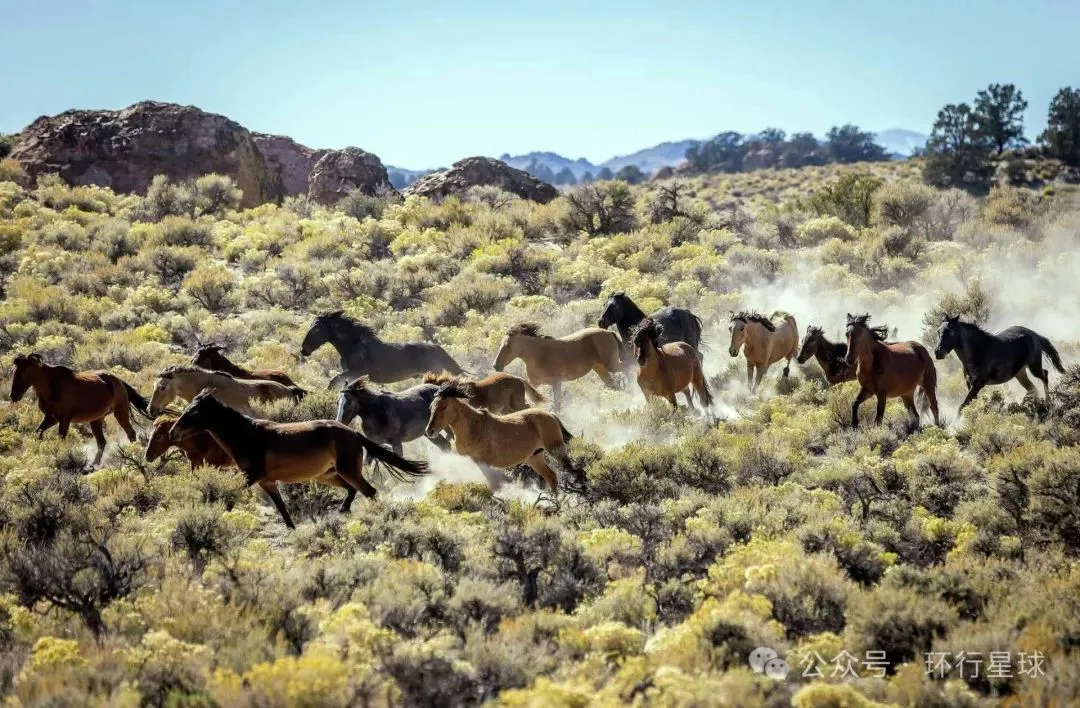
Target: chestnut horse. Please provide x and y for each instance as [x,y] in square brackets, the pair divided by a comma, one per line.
[65,397]
[830,356]
[888,370]
[498,393]
[551,361]
[666,369]
[764,342]
[324,451]
[211,356]
[199,449]
[501,440]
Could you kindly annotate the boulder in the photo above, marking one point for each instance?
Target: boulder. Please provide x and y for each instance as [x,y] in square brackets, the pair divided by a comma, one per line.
[292,161]
[124,149]
[473,171]
[339,172]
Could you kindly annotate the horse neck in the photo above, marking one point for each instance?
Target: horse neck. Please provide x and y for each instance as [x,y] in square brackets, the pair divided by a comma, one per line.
[972,341]
[228,367]
[755,335]
[348,334]
[468,421]
[827,352]
[232,430]
[41,379]
[868,350]
[631,316]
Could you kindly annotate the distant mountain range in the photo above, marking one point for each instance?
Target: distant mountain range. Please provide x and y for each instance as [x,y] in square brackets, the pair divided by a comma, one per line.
[899,143]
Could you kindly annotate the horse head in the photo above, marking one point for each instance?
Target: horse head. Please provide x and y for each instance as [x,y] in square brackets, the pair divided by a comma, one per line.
[613,310]
[443,407]
[810,343]
[198,416]
[21,369]
[321,331]
[948,336]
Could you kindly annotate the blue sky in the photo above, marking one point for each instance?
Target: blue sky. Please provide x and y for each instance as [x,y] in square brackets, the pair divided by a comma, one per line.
[422,84]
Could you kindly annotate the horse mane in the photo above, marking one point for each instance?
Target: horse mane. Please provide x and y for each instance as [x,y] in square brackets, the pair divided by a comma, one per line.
[753,316]
[362,384]
[456,388]
[358,328]
[632,309]
[210,347]
[650,330]
[528,329]
[164,419]
[443,377]
[814,329]
[879,332]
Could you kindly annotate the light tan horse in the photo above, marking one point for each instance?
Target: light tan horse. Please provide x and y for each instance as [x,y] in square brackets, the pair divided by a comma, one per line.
[551,361]
[501,441]
[184,381]
[667,369]
[764,342]
[498,393]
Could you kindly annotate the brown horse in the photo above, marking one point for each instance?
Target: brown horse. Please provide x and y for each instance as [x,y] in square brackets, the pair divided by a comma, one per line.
[666,369]
[212,356]
[65,397]
[888,370]
[829,356]
[764,342]
[501,440]
[551,361]
[199,448]
[498,393]
[267,453]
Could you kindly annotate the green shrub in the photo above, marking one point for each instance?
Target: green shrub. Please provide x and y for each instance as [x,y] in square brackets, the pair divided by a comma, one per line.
[901,624]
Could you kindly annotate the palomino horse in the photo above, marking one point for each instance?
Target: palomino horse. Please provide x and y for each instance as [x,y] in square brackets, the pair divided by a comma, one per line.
[65,397]
[830,356]
[389,418]
[212,356]
[502,441]
[269,453]
[498,393]
[552,361]
[764,342]
[666,369]
[199,448]
[888,370]
[991,359]
[363,353]
[676,324]
[182,381]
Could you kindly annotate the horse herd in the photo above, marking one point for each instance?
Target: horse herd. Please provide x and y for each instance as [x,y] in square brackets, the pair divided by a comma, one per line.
[493,420]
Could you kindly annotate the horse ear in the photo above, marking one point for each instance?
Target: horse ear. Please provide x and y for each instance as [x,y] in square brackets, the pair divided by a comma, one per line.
[850,318]
[35,357]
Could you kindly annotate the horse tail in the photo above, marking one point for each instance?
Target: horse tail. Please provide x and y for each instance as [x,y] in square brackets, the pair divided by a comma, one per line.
[696,328]
[929,379]
[297,392]
[703,386]
[566,435]
[530,391]
[395,464]
[1051,352]
[135,400]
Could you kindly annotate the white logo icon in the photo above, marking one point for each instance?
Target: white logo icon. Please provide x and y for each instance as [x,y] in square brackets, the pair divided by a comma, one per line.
[764,660]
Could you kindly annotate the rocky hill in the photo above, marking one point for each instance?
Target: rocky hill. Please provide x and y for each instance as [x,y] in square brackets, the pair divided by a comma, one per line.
[477,171]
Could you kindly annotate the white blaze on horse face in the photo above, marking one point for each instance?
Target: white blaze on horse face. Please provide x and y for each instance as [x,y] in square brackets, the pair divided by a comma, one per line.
[159,400]
[505,355]
[738,332]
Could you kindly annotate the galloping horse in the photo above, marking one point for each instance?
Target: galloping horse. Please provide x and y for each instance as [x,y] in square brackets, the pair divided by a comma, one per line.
[763,342]
[666,369]
[181,381]
[65,397]
[363,353]
[502,440]
[888,370]
[267,453]
[676,324]
[199,449]
[992,359]
[499,393]
[552,361]
[830,356]
[389,418]
[211,356]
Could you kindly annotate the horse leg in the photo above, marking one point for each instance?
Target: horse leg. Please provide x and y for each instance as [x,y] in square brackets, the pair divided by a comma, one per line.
[275,496]
[750,375]
[689,400]
[606,377]
[881,401]
[98,429]
[350,494]
[909,403]
[977,385]
[540,466]
[863,395]
[350,467]
[64,424]
[556,396]
[761,369]
[123,417]
[1040,373]
[47,422]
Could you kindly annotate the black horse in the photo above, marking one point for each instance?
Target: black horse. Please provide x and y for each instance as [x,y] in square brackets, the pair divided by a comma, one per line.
[389,418]
[364,354]
[991,359]
[830,356]
[677,324]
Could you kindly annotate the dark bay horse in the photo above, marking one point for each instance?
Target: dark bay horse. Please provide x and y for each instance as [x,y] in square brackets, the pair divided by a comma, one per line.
[829,356]
[363,353]
[212,356]
[389,418]
[267,453]
[667,369]
[992,359]
[888,370]
[676,323]
[65,397]
[199,448]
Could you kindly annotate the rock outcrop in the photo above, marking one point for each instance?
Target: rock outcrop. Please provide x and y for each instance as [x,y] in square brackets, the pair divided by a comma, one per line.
[339,172]
[292,161]
[473,171]
[125,149]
